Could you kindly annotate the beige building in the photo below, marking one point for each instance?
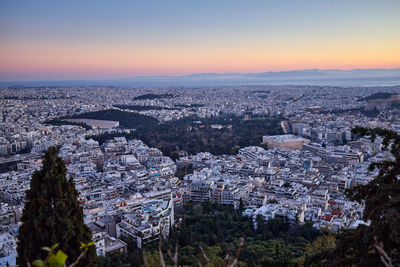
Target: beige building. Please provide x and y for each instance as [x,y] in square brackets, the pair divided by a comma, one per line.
[285,141]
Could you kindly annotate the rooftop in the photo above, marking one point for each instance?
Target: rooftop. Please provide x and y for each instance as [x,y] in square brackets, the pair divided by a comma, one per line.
[285,138]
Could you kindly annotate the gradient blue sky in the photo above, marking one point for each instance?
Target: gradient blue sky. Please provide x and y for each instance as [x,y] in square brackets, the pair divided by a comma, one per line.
[50,40]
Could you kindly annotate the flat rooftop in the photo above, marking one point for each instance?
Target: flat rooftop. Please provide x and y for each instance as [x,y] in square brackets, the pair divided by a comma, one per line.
[285,138]
[103,124]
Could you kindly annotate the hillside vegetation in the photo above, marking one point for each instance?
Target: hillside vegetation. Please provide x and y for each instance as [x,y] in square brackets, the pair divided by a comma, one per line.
[380,95]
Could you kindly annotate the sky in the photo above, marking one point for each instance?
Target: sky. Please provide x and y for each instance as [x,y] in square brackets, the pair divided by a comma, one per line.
[104,39]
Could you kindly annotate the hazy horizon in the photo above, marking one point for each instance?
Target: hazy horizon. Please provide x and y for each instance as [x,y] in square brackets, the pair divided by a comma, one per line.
[354,77]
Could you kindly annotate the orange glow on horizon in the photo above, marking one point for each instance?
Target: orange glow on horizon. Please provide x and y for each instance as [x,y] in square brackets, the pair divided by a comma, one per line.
[124,60]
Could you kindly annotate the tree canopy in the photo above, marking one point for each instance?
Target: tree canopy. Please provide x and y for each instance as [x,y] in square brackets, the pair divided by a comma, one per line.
[52,214]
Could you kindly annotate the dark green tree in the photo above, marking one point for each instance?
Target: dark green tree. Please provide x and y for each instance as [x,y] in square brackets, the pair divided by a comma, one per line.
[264,145]
[367,245]
[52,214]
[241,205]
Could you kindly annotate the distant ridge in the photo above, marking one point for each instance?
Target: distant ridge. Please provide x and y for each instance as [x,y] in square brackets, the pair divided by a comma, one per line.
[354,77]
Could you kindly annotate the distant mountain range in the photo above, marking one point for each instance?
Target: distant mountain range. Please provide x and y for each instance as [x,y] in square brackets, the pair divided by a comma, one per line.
[354,77]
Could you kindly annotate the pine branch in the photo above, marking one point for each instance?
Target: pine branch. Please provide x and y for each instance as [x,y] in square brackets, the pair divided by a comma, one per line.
[226,259]
[78,259]
[198,261]
[175,257]
[145,259]
[386,260]
[236,260]
[161,253]
[204,254]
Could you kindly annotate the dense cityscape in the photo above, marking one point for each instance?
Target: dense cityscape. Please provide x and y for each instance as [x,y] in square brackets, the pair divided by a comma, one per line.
[131,189]
[199,133]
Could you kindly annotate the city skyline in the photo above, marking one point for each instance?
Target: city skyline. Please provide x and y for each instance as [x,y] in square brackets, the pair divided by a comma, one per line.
[103,40]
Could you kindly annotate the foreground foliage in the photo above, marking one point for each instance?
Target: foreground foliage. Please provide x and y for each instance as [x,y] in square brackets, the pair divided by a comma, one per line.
[59,258]
[379,243]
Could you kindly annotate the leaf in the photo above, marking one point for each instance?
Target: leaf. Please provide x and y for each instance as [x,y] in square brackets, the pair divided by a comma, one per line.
[58,259]
[39,263]
[53,247]
[46,249]
[86,246]
[61,257]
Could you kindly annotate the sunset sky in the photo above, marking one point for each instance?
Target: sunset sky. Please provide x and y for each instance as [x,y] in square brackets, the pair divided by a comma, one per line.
[101,39]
